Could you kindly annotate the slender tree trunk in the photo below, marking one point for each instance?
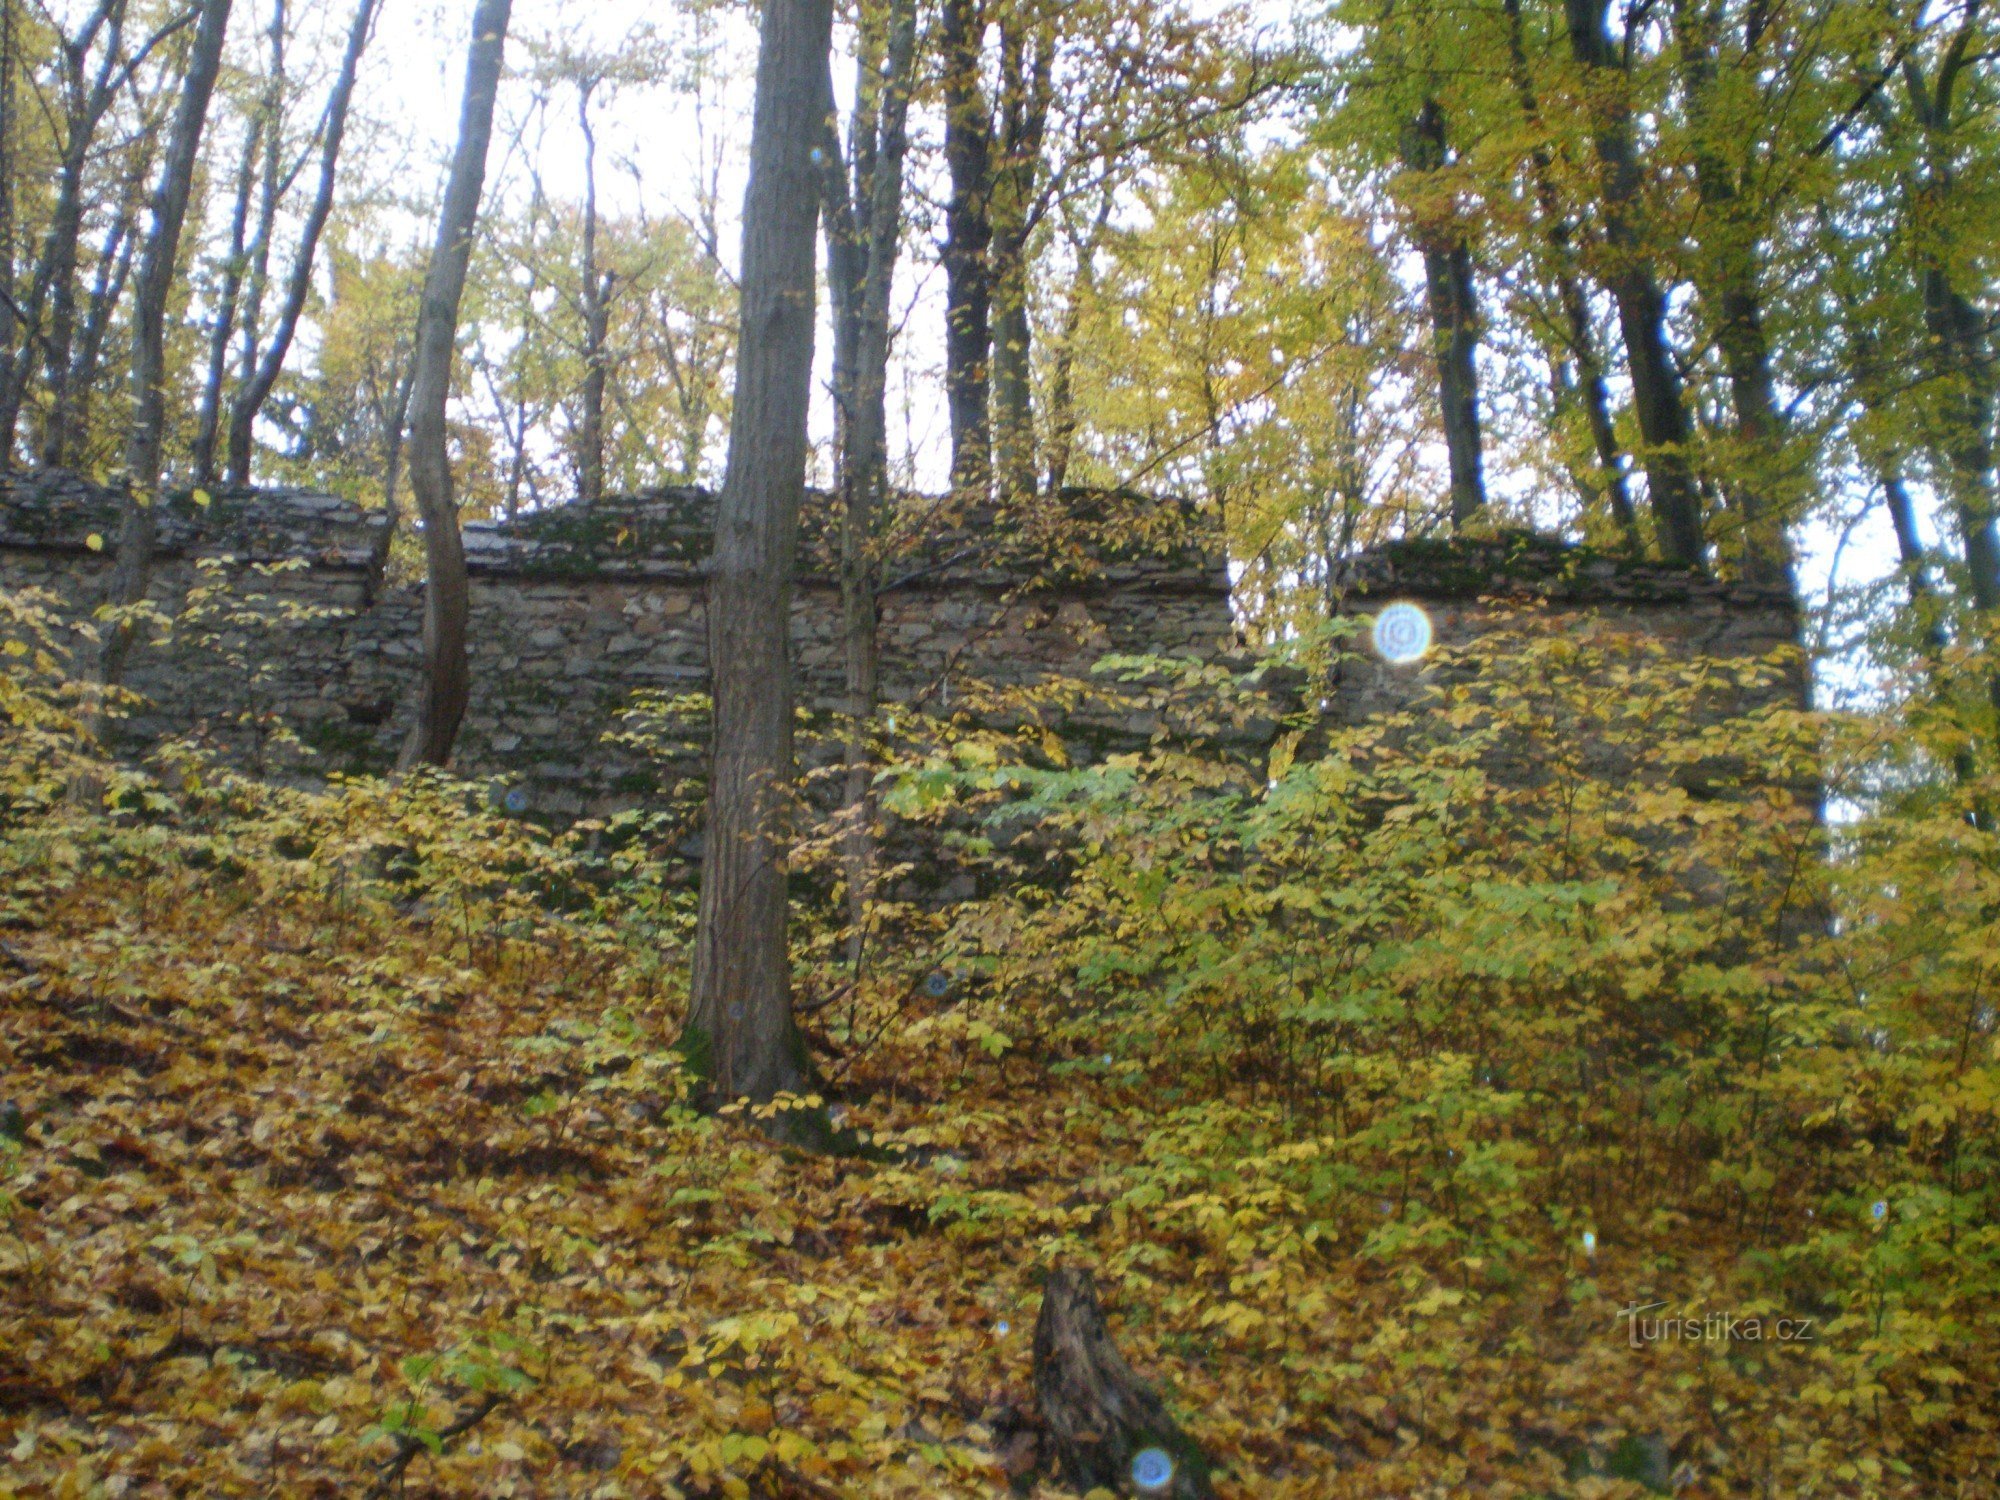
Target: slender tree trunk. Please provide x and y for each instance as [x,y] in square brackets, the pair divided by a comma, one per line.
[145,438]
[1642,310]
[863,229]
[1026,84]
[1732,257]
[1454,313]
[257,261]
[1608,486]
[447,593]
[55,265]
[1062,394]
[740,1034]
[252,395]
[208,427]
[1959,416]
[393,421]
[9,53]
[596,324]
[69,422]
[968,236]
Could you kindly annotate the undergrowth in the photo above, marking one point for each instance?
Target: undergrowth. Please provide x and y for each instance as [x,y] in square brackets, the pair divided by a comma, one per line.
[344,1148]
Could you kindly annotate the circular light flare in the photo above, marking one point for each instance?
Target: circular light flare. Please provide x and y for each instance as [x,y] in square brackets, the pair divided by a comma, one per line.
[1152,1470]
[1402,633]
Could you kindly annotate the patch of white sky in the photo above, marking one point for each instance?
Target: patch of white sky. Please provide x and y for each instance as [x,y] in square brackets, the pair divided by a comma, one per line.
[661,140]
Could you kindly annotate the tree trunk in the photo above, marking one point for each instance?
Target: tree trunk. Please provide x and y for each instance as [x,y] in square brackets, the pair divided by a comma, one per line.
[1731,254]
[253,393]
[208,428]
[968,236]
[1959,416]
[1642,310]
[1108,1429]
[257,261]
[149,318]
[1454,313]
[447,594]
[55,265]
[9,55]
[70,422]
[1608,486]
[392,422]
[1026,86]
[596,324]
[740,1036]
[863,231]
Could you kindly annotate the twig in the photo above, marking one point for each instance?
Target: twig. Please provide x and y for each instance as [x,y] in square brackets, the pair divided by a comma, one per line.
[408,1447]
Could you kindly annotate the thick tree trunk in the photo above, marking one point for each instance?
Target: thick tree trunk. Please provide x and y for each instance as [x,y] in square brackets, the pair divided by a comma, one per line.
[145,437]
[740,1034]
[968,237]
[1642,310]
[254,392]
[1454,313]
[1108,1429]
[447,594]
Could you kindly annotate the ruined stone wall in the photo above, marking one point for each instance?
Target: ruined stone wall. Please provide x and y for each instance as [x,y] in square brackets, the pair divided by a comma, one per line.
[577,608]
[573,610]
[1470,587]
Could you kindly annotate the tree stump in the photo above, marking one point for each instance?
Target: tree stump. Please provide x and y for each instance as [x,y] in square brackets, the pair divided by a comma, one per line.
[1106,1427]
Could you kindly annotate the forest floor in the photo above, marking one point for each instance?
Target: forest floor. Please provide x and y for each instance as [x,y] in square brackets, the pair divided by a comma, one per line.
[308,1199]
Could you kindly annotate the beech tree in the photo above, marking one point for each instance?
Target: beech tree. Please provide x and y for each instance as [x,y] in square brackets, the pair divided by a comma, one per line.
[447,596]
[139,512]
[740,1032]
[862,216]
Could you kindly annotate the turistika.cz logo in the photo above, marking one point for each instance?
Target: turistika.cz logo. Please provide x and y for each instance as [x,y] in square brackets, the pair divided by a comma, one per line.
[1644,1324]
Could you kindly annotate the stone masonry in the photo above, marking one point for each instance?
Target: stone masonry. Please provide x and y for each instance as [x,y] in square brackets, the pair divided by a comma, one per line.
[577,608]
[574,610]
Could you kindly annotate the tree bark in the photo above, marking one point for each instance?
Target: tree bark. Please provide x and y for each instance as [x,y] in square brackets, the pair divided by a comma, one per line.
[1642,310]
[968,236]
[1732,257]
[208,427]
[257,261]
[157,260]
[253,393]
[1454,314]
[596,323]
[69,422]
[740,1035]
[55,264]
[1608,486]
[1026,86]
[863,230]
[447,594]
[1107,1427]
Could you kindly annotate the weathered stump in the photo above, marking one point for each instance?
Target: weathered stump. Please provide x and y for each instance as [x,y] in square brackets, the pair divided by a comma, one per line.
[1105,1426]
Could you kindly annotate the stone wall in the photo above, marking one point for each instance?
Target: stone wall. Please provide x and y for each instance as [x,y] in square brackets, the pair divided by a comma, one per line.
[1468,587]
[573,611]
[576,609]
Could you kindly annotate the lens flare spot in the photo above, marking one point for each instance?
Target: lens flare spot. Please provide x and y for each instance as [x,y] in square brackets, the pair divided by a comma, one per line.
[1152,1470]
[1402,633]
